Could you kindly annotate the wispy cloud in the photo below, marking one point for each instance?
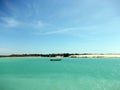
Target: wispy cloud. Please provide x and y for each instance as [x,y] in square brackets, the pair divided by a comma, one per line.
[6,51]
[60,31]
[9,22]
[72,30]
[38,24]
[11,7]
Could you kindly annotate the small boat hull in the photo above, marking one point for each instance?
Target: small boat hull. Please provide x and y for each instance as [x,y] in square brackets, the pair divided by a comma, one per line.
[55,59]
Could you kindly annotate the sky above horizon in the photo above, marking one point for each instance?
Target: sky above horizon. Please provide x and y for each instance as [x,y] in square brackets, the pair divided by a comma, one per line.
[59,26]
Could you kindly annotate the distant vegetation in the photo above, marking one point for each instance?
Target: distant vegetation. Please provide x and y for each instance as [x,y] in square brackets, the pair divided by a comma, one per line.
[39,55]
[52,55]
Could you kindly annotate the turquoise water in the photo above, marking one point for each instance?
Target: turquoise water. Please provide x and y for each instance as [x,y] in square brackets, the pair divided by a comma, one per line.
[68,74]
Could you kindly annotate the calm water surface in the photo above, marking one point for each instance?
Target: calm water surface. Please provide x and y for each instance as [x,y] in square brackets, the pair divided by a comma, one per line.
[68,74]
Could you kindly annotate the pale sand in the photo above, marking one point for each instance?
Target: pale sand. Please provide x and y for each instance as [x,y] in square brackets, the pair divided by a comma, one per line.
[97,56]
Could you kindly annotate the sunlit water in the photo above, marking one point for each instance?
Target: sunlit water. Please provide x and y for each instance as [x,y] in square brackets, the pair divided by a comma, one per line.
[68,74]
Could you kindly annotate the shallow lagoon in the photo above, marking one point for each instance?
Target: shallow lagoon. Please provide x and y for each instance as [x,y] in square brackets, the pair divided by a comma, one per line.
[68,74]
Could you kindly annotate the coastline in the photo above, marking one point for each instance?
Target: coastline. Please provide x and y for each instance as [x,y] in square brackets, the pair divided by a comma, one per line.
[69,56]
[96,56]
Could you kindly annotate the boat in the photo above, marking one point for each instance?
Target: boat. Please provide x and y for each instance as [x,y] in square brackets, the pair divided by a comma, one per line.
[55,59]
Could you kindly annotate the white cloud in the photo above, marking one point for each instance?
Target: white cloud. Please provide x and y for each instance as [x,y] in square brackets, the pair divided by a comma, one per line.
[71,31]
[61,31]
[39,24]
[9,22]
[12,22]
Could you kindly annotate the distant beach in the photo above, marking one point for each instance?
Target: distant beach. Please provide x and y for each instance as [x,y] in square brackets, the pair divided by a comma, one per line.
[84,55]
[97,56]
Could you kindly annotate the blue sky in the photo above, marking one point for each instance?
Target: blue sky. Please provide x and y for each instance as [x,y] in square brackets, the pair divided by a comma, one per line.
[59,26]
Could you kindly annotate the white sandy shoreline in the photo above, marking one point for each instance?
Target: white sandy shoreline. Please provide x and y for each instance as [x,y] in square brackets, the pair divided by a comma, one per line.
[97,56]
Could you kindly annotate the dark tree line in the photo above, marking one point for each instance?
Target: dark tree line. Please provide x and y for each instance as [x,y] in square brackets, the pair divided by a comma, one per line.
[39,55]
